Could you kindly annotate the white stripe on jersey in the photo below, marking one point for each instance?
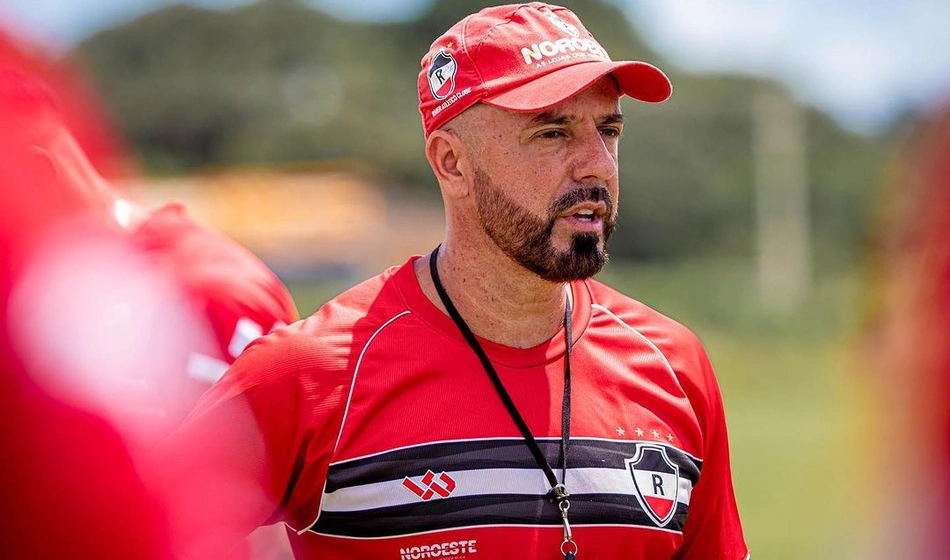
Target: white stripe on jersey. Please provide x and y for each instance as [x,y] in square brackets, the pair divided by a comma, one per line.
[484,482]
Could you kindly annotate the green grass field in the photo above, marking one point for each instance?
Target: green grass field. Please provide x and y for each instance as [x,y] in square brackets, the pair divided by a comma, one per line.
[792,394]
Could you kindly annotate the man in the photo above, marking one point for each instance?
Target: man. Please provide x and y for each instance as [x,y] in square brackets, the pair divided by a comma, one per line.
[488,400]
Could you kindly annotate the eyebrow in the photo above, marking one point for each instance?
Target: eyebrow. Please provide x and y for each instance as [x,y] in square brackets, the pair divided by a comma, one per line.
[550,118]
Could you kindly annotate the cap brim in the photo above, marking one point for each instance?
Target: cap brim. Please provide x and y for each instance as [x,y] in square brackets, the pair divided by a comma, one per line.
[638,80]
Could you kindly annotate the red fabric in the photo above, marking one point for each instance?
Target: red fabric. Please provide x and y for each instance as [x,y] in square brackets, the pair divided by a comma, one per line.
[380,368]
[525,57]
[910,345]
[142,323]
[223,282]
[68,486]
[75,102]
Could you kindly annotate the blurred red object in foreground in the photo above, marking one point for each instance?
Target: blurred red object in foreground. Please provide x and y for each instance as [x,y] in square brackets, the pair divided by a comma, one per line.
[909,347]
[69,485]
[76,102]
[127,314]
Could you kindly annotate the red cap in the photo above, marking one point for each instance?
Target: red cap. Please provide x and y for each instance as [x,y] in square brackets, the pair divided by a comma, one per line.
[525,58]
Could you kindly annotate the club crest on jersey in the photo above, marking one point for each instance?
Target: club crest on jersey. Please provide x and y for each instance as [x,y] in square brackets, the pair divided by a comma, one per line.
[656,480]
[442,75]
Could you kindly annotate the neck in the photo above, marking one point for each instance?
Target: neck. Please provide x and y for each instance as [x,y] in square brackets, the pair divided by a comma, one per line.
[499,299]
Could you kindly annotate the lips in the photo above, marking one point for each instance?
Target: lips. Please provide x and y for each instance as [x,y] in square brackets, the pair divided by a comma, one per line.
[585,215]
[587,211]
[589,217]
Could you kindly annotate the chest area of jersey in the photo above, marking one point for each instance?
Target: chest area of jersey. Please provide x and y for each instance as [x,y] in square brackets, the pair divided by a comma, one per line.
[427,446]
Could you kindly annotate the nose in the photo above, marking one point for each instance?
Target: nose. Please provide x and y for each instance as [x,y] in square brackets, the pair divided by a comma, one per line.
[595,157]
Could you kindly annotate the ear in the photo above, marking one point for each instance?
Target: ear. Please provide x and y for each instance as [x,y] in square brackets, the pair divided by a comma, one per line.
[447,156]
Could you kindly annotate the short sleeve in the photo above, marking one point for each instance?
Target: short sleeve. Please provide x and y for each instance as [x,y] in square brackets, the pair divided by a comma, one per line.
[713,529]
[233,464]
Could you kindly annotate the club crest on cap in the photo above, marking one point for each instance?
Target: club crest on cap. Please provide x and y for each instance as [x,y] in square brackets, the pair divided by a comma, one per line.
[442,74]
[563,25]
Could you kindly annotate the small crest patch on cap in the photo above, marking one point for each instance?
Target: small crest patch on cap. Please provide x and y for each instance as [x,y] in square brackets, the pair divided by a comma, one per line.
[442,75]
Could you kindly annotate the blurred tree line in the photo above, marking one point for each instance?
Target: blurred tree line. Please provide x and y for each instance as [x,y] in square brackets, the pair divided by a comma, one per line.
[278,81]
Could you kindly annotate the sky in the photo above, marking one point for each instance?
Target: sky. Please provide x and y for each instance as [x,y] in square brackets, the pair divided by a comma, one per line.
[862,61]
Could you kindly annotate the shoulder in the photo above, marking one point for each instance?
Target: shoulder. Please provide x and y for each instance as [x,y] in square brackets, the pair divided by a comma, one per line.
[359,312]
[221,275]
[678,345]
[323,347]
[168,233]
[671,337]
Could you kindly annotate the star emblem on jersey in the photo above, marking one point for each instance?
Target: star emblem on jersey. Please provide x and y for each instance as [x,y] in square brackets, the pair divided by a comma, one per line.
[442,75]
[621,432]
[656,481]
[431,485]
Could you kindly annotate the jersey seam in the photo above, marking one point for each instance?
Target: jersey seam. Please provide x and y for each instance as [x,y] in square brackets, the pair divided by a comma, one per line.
[506,525]
[510,439]
[346,408]
[646,339]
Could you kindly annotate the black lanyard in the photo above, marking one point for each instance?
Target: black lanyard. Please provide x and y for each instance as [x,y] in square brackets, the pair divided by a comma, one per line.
[558,490]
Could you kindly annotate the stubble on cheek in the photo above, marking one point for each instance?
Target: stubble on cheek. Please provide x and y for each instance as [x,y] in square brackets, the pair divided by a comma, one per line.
[529,240]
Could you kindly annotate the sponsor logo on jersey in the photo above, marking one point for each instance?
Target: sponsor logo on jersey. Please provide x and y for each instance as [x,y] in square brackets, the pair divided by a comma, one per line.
[656,479]
[446,550]
[442,75]
[431,486]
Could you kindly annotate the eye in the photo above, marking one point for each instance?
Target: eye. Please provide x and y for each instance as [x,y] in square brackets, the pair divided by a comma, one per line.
[552,134]
[611,131]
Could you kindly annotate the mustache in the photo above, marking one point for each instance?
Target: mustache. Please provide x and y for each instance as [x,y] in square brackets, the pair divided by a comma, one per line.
[579,195]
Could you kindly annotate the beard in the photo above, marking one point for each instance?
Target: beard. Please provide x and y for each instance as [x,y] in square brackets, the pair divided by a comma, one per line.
[529,240]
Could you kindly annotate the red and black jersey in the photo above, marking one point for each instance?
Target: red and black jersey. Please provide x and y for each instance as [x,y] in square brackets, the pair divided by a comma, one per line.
[375,433]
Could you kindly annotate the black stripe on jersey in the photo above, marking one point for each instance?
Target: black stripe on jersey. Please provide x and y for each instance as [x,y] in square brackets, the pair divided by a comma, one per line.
[488,510]
[379,516]
[493,454]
